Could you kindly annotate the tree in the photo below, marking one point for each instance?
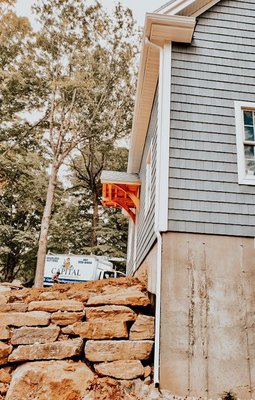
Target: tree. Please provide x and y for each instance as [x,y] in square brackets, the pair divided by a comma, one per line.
[20,86]
[87,169]
[24,183]
[22,170]
[82,100]
[81,225]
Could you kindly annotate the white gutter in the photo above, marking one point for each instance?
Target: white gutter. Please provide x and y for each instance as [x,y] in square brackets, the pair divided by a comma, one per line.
[162,174]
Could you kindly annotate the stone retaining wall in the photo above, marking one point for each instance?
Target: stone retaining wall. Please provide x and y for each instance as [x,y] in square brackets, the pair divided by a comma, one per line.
[103,329]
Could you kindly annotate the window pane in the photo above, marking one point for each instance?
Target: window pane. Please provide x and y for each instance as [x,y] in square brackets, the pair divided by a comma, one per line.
[249,151]
[250,166]
[248,118]
[249,132]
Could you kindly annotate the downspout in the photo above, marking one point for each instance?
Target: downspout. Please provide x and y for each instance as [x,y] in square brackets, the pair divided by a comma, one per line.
[161,196]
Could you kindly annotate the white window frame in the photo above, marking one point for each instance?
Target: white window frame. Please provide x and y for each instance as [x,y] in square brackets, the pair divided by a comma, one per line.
[243,178]
[147,194]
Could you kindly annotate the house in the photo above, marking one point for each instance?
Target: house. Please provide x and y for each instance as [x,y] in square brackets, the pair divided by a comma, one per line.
[190,193]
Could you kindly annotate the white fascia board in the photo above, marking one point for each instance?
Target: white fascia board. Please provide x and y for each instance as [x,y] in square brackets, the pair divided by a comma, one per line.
[159,29]
[186,7]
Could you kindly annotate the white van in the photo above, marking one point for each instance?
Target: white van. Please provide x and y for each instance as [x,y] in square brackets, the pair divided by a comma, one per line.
[76,268]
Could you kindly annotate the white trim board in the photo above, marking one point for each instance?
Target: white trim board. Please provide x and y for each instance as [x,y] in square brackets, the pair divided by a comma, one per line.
[163,138]
[186,7]
[243,178]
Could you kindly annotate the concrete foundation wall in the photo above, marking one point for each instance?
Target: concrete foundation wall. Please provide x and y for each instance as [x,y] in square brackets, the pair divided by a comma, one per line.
[208,315]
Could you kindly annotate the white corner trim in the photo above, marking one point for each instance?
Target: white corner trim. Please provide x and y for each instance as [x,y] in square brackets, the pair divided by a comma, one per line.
[163,136]
[243,178]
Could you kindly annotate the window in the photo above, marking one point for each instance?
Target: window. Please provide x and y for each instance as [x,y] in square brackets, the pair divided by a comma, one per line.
[148,182]
[245,136]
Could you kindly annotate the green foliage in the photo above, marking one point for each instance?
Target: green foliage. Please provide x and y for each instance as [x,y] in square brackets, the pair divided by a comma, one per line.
[72,226]
[23,187]
[68,86]
[85,61]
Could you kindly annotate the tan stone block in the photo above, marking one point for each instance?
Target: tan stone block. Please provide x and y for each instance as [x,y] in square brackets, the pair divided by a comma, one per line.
[66,318]
[127,369]
[50,380]
[147,371]
[5,376]
[122,296]
[63,337]
[67,330]
[4,333]
[48,351]
[3,299]
[110,350]
[101,329]
[115,313]
[16,307]
[56,305]
[143,328]
[54,295]
[3,388]
[27,335]
[4,290]
[3,361]
[25,319]
[117,285]
[79,296]
[5,350]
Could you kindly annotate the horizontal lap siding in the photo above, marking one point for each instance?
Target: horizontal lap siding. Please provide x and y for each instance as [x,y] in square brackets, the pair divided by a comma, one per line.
[145,222]
[207,77]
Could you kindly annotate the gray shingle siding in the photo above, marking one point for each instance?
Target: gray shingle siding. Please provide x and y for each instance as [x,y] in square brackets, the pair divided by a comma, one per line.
[145,221]
[207,77]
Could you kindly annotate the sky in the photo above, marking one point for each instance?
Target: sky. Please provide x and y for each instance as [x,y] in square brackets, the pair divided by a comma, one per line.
[139,7]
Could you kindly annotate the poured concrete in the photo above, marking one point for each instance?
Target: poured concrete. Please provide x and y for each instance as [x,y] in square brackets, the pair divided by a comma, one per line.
[207,344]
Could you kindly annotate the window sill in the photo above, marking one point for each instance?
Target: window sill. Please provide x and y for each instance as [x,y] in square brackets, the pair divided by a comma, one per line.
[247,180]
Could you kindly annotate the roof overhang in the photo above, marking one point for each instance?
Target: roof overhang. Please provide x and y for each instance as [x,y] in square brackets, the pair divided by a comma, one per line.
[121,190]
[159,29]
[186,7]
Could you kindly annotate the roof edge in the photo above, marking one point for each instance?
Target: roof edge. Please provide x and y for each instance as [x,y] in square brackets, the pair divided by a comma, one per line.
[186,7]
[159,29]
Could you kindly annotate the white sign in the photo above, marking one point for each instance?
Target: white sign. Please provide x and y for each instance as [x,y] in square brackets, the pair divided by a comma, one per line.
[71,268]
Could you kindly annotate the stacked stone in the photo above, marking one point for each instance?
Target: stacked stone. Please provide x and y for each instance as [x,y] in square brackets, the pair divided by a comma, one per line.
[105,331]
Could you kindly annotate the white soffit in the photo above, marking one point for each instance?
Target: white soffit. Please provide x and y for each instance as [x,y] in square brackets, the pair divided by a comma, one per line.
[186,7]
[159,29]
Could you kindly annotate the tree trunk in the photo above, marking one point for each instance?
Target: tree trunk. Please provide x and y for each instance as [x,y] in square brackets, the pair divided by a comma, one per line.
[11,263]
[95,221]
[42,249]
